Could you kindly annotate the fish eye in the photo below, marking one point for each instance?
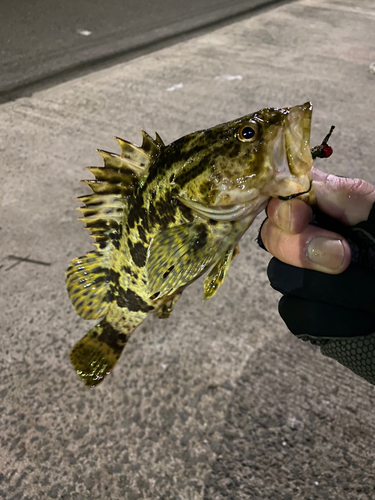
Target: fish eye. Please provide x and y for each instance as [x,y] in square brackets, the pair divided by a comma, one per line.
[247,133]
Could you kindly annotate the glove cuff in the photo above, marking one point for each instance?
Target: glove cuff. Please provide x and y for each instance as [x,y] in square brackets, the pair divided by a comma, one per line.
[355,353]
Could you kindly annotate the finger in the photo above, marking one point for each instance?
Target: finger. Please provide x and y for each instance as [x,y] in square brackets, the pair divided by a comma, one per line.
[314,248]
[348,200]
[291,216]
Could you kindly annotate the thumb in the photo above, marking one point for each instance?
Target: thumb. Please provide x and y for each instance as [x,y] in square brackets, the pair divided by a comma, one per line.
[348,200]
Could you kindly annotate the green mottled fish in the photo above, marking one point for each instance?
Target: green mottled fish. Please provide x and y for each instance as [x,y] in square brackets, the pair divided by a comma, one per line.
[162,215]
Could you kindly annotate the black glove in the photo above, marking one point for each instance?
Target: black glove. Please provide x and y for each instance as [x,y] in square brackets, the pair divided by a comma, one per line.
[336,312]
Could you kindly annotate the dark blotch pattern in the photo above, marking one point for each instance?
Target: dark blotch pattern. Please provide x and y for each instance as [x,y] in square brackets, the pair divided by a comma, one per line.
[142,234]
[135,205]
[115,239]
[153,215]
[192,173]
[114,277]
[98,270]
[122,338]
[165,210]
[100,279]
[168,156]
[127,298]
[138,253]
[201,240]
[167,273]
[110,336]
[131,301]
[127,269]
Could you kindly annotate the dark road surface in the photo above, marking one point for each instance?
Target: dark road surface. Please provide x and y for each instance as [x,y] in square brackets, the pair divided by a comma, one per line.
[42,39]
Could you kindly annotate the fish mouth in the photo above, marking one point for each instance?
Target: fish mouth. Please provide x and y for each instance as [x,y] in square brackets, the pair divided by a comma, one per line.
[290,153]
[230,212]
[297,139]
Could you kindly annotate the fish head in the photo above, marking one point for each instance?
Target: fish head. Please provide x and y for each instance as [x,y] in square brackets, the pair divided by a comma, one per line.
[246,161]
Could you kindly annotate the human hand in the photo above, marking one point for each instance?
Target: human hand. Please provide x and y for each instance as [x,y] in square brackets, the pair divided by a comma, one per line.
[288,236]
[334,308]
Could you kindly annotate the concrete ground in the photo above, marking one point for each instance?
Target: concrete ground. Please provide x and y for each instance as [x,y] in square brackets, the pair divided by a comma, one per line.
[219,401]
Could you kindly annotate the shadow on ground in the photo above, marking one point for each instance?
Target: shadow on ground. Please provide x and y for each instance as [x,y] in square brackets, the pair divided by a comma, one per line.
[278,446]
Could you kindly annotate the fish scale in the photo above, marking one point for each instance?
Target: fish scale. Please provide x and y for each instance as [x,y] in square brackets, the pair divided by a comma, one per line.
[163,215]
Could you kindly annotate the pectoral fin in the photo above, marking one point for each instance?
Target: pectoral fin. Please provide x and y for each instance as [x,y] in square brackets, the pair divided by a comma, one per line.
[178,256]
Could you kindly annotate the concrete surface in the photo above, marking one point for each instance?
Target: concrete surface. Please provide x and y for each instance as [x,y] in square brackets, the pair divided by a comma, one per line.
[219,401]
[43,41]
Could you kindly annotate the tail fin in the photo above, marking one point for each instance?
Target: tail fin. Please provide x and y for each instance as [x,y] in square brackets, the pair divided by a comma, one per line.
[94,356]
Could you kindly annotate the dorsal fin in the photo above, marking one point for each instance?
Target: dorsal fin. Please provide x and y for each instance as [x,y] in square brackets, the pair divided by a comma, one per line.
[113,184]
[140,156]
[159,141]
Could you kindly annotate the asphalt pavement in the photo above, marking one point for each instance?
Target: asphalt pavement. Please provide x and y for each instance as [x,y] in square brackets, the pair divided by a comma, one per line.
[43,42]
[219,401]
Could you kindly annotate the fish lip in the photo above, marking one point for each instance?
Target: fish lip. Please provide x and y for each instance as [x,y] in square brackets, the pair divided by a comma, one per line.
[227,213]
[297,138]
[289,152]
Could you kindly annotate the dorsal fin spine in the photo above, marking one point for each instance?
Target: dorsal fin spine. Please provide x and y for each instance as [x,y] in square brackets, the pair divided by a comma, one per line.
[120,162]
[127,148]
[159,141]
[114,183]
[148,144]
[110,159]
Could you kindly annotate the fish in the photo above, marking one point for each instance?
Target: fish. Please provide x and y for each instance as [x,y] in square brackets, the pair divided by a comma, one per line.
[164,215]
